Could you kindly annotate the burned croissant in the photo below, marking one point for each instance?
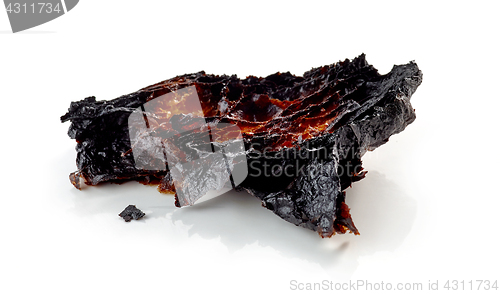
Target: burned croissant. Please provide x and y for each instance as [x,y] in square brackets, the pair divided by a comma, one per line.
[293,142]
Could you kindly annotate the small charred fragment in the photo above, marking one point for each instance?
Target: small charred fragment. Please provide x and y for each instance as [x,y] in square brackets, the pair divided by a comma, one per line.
[303,136]
[131,212]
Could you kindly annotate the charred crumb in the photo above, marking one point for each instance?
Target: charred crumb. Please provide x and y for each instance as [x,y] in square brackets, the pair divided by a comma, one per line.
[131,212]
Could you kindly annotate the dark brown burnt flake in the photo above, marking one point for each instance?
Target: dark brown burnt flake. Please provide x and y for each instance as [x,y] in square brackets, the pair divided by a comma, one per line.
[303,136]
[131,212]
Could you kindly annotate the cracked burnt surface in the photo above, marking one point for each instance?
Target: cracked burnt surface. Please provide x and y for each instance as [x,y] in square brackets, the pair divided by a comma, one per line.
[303,136]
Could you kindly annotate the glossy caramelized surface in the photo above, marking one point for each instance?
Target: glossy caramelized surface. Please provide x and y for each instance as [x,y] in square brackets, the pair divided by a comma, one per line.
[282,108]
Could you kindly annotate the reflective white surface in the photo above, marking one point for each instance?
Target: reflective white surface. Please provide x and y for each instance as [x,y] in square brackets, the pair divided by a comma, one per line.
[427,210]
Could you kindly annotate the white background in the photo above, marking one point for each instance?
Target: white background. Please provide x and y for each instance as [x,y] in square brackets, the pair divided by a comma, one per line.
[427,210]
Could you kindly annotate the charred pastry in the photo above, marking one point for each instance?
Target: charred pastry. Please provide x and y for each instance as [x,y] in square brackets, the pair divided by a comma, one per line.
[303,136]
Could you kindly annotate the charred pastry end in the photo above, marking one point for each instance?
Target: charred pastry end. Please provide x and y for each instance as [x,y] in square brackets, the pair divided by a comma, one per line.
[312,130]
